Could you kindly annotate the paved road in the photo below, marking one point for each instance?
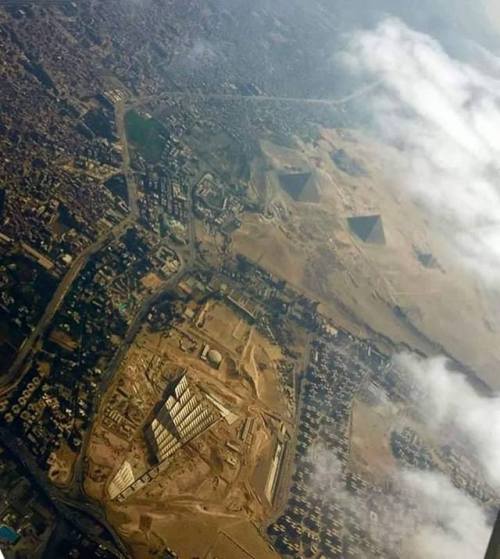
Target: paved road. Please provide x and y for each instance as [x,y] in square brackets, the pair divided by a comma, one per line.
[76,508]
[79,511]
[258,98]
[120,110]
[87,518]
[112,368]
[12,378]
[185,266]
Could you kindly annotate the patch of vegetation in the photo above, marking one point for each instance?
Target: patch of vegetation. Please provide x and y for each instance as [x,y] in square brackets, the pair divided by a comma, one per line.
[147,134]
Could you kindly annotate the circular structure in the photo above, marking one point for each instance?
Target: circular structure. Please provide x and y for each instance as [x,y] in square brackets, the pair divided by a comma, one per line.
[214,358]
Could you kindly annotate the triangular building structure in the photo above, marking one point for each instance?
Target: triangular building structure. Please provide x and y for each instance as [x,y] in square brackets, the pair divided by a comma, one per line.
[368,228]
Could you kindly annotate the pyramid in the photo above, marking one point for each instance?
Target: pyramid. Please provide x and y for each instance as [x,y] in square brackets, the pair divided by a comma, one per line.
[426,259]
[294,184]
[346,164]
[368,228]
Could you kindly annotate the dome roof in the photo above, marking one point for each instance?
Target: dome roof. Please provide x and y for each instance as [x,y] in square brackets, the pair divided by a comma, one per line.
[214,357]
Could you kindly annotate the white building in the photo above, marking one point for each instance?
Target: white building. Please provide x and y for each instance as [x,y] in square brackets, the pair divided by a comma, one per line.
[184,415]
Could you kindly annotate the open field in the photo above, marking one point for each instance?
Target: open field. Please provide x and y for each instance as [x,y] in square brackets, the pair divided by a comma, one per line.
[371,454]
[210,535]
[62,464]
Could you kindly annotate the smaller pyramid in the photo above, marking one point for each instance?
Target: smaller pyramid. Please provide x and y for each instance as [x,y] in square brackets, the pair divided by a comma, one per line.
[346,164]
[426,259]
[368,228]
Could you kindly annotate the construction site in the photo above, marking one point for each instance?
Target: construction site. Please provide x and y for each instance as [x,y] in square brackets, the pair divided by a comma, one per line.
[196,425]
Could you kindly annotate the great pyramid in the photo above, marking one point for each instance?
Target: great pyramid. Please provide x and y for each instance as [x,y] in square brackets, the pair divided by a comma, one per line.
[368,228]
[299,186]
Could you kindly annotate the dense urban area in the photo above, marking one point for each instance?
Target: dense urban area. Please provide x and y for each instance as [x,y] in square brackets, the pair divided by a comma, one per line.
[173,383]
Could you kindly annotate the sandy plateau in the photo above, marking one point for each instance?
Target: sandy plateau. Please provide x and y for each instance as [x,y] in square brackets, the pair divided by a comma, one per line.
[411,288]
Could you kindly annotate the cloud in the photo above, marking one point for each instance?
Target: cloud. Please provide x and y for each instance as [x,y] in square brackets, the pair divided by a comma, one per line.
[448,524]
[424,516]
[454,412]
[445,116]
[450,404]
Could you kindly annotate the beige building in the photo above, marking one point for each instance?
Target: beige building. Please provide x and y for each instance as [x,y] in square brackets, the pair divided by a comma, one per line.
[124,478]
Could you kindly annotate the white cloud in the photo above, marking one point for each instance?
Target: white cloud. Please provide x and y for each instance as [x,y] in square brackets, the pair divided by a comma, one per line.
[449,524]
[445,114]
[424,516]
[449,402]
[453,410]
